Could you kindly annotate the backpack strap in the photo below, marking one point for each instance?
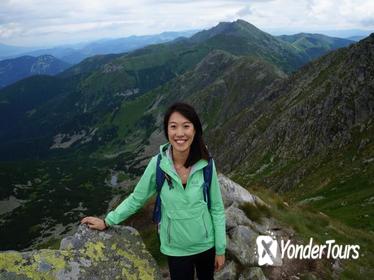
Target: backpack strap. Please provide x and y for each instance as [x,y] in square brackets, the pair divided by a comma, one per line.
[160,179]
[207,171]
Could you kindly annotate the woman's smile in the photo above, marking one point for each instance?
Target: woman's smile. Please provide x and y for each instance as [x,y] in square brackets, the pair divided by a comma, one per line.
[181,141]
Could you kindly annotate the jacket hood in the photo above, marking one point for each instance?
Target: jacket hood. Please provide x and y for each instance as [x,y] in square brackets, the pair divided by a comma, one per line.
[165,150]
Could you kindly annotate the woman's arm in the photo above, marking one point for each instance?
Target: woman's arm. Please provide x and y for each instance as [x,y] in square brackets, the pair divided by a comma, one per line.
[145,188]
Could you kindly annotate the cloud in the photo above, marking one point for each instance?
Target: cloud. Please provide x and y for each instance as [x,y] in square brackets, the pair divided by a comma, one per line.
[244,11]
[30,22]
[369,21]
[310,14]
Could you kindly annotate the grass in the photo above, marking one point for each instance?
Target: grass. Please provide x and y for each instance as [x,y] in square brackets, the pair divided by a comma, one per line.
[255,212]
[53,243]
[307,222]
[152,243]
[131,112]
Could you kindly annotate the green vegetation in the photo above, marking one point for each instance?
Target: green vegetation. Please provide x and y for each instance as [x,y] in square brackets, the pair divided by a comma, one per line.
[255,212]
[48,200]
[152,243]
[309,222]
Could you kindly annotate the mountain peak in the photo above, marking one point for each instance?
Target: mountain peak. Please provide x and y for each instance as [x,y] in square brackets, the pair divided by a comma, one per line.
[236,28]
[244,23]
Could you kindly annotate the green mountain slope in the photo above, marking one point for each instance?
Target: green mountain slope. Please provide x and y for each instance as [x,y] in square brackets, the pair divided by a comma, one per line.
[315,45]
[310,136]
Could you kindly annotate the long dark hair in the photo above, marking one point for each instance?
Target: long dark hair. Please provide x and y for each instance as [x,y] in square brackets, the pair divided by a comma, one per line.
[198,148]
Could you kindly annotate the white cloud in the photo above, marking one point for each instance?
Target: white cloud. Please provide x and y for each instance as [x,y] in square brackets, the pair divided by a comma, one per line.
[30,22]
[312,14]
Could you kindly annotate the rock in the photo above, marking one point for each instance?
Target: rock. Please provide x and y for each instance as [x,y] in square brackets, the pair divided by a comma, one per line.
[253,273]
[117,253]
[232,193]
[228,272]
[337,269]
[241,245]
[235,217]
[272,227]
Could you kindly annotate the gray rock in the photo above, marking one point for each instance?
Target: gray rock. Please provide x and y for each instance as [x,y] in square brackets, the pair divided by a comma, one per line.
[241,245]
[228,272]
[233,193]
[253,273]
[117,253]
[235,217]
[270,226]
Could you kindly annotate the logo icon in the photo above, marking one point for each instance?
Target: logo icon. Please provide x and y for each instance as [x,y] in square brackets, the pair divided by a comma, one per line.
[267,250]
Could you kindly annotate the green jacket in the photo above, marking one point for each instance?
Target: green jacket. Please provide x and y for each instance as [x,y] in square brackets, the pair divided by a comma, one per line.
[187,225]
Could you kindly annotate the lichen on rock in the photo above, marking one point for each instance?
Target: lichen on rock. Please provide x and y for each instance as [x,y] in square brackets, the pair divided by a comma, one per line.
[117,253]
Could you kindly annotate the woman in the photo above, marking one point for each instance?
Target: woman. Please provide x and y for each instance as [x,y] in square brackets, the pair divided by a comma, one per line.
[192,235]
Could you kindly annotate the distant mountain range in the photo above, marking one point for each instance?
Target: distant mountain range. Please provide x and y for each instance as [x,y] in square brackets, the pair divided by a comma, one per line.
[289,114]
[315,45]
[304,47]
[76,53]
[12,70]
[357,38]
[7,51]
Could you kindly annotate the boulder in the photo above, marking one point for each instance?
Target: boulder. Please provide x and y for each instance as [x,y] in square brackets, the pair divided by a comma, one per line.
[241,245]
[116,253]
[233,193]
[235,216]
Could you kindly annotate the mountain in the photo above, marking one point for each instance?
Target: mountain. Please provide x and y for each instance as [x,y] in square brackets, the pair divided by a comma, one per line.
[76,53]
[7,51]
[243,38]
[310,136]
[12,70]
[107,81]
[357,38]
[121,45]
[307,137]
[315,45]
[66,54]
[82,137]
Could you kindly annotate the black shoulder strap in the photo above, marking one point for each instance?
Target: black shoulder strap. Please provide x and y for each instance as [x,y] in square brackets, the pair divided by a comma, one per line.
[208,172]
[160,179]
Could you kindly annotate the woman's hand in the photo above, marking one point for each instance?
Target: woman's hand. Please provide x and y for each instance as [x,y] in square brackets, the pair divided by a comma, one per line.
[94,223]
[219,262]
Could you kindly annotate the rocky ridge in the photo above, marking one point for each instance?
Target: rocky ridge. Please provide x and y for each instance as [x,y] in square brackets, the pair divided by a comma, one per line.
[119,253]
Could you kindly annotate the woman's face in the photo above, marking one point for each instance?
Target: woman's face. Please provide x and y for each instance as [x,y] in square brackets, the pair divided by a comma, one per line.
[181,132]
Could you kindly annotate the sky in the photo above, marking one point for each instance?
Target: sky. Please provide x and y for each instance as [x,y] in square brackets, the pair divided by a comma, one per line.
[41,23]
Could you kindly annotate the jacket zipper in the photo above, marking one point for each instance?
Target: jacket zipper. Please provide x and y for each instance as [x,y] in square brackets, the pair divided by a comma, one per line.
[169,230]
[206,231]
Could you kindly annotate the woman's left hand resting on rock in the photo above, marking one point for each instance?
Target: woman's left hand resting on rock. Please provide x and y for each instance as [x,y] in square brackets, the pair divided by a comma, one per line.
[219,262]
[94,223]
